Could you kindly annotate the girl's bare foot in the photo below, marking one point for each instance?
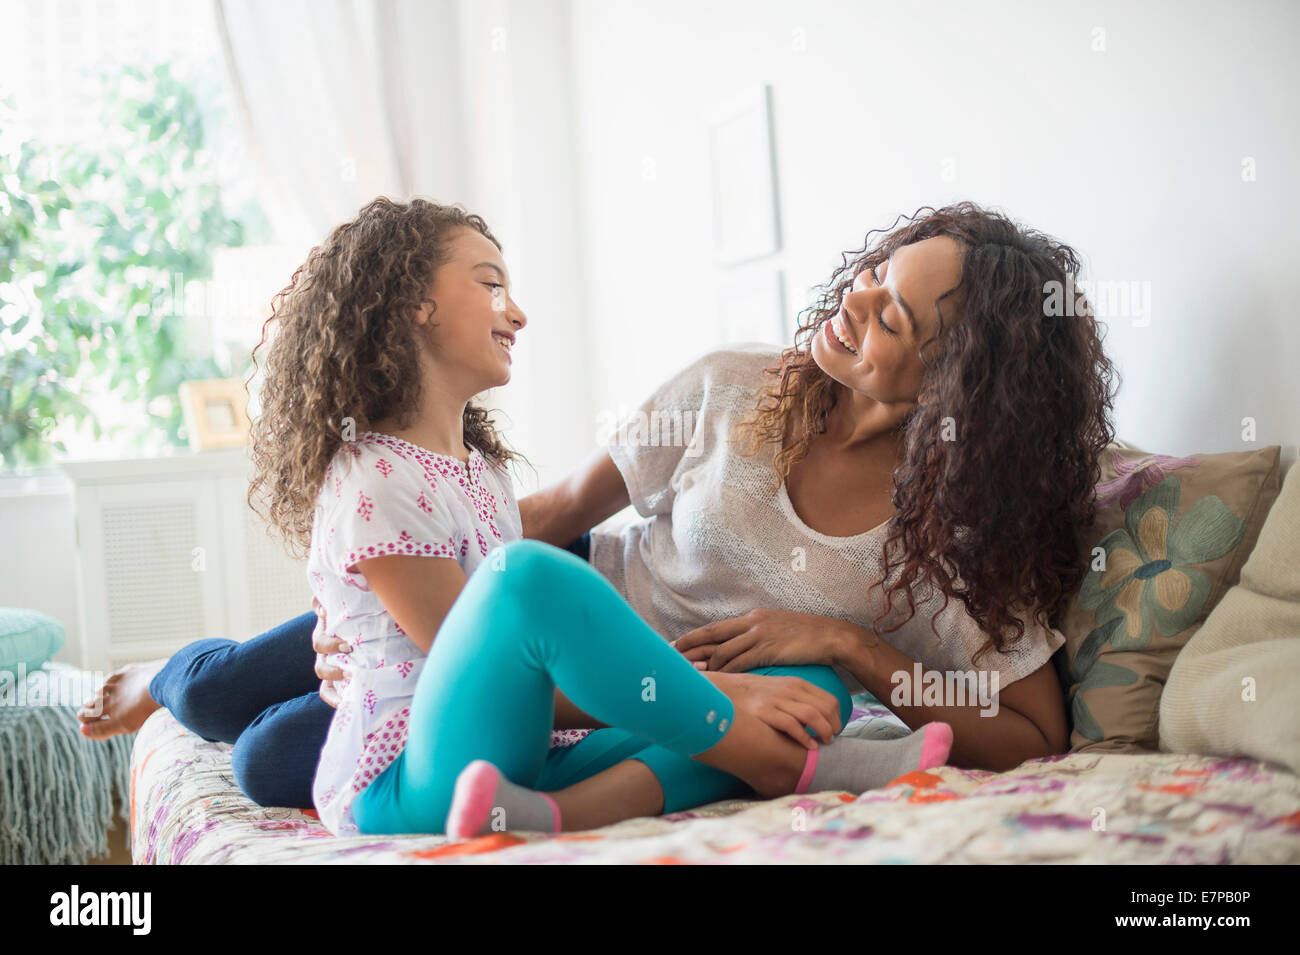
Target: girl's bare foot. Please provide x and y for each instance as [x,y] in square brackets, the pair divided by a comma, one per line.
[122,704]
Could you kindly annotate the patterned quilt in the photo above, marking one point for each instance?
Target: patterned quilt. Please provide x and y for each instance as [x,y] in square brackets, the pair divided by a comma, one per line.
[1108,809]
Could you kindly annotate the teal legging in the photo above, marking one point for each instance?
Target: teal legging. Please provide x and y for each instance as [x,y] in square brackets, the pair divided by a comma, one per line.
[533,617]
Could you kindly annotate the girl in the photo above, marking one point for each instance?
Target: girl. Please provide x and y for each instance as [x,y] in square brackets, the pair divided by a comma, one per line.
[370,451]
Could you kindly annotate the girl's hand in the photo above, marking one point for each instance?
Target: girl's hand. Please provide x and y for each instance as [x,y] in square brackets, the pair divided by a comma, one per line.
[785,703]
[763,638]
[331,676]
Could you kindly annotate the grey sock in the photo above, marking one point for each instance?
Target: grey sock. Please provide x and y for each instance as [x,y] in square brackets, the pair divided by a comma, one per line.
[485,802]
[856,765]
[516,807]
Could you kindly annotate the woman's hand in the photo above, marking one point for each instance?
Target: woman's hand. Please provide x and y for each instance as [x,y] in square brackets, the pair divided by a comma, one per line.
[764,638]
[331,676]
[785,703]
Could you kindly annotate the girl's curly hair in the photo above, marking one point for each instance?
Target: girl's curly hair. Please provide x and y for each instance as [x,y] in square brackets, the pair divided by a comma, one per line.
[346,347]
[998,516]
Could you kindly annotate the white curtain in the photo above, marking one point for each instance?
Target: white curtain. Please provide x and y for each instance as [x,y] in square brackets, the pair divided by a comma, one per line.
[465,101]
[345,100]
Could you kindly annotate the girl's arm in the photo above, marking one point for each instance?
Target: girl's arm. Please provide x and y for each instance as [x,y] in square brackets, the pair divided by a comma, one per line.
[419,591]
[571,507]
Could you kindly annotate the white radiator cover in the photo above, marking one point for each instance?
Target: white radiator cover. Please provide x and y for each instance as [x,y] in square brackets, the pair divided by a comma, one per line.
[170,552]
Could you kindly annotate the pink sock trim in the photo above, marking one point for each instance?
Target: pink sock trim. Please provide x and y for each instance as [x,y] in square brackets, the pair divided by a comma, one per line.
[809,767]
[555,810]
[472,800]
[936,745]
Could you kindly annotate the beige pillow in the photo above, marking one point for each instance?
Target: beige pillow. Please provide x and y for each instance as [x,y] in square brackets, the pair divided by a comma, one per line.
[1233,689]
[1171,536]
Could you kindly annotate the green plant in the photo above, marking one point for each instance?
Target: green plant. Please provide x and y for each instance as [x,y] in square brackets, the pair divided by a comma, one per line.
[93,237]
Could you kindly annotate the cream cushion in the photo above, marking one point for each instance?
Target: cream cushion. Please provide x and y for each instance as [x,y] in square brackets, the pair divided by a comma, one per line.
[1235,688]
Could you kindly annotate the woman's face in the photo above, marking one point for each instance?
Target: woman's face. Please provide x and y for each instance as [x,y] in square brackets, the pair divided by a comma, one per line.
[476,320]
[871,346]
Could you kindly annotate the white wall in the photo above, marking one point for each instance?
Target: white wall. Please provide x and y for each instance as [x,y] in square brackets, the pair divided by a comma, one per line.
[1132,155]
[516,96]
[38,563]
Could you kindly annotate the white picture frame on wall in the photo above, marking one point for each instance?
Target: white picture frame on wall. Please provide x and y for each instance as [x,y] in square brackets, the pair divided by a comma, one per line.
[746,220]
[751,306]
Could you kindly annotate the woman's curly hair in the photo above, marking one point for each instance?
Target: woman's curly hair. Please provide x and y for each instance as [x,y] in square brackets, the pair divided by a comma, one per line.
[998,516]
[345,353]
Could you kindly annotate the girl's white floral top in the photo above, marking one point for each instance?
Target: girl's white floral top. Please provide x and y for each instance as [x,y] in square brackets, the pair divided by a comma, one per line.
[383,495]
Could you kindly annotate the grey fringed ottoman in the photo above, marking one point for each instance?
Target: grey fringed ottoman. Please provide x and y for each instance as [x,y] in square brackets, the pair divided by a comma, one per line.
[59,791]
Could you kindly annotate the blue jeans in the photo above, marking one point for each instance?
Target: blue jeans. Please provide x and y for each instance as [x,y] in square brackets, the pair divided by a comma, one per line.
[264,697]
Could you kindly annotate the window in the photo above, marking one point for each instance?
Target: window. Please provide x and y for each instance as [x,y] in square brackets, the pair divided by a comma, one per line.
[134,254]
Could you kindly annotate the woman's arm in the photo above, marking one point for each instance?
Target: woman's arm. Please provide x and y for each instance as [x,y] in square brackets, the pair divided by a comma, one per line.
[1029,720]
[569,717]
[571,507]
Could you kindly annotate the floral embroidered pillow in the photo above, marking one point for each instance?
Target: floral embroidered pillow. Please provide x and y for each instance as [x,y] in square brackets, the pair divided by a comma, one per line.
[1170,539]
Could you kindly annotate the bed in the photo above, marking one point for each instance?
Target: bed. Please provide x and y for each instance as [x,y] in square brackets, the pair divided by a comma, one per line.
[1103,808]
[1114,799]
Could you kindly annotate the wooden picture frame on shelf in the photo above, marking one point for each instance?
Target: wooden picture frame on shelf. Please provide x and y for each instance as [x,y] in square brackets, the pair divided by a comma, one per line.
[216,413]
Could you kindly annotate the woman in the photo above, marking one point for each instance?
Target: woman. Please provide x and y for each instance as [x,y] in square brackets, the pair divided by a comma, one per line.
[930,406]
[933,405]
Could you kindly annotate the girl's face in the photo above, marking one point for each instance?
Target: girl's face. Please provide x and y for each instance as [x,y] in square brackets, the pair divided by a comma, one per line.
[474,324]
[871,346]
